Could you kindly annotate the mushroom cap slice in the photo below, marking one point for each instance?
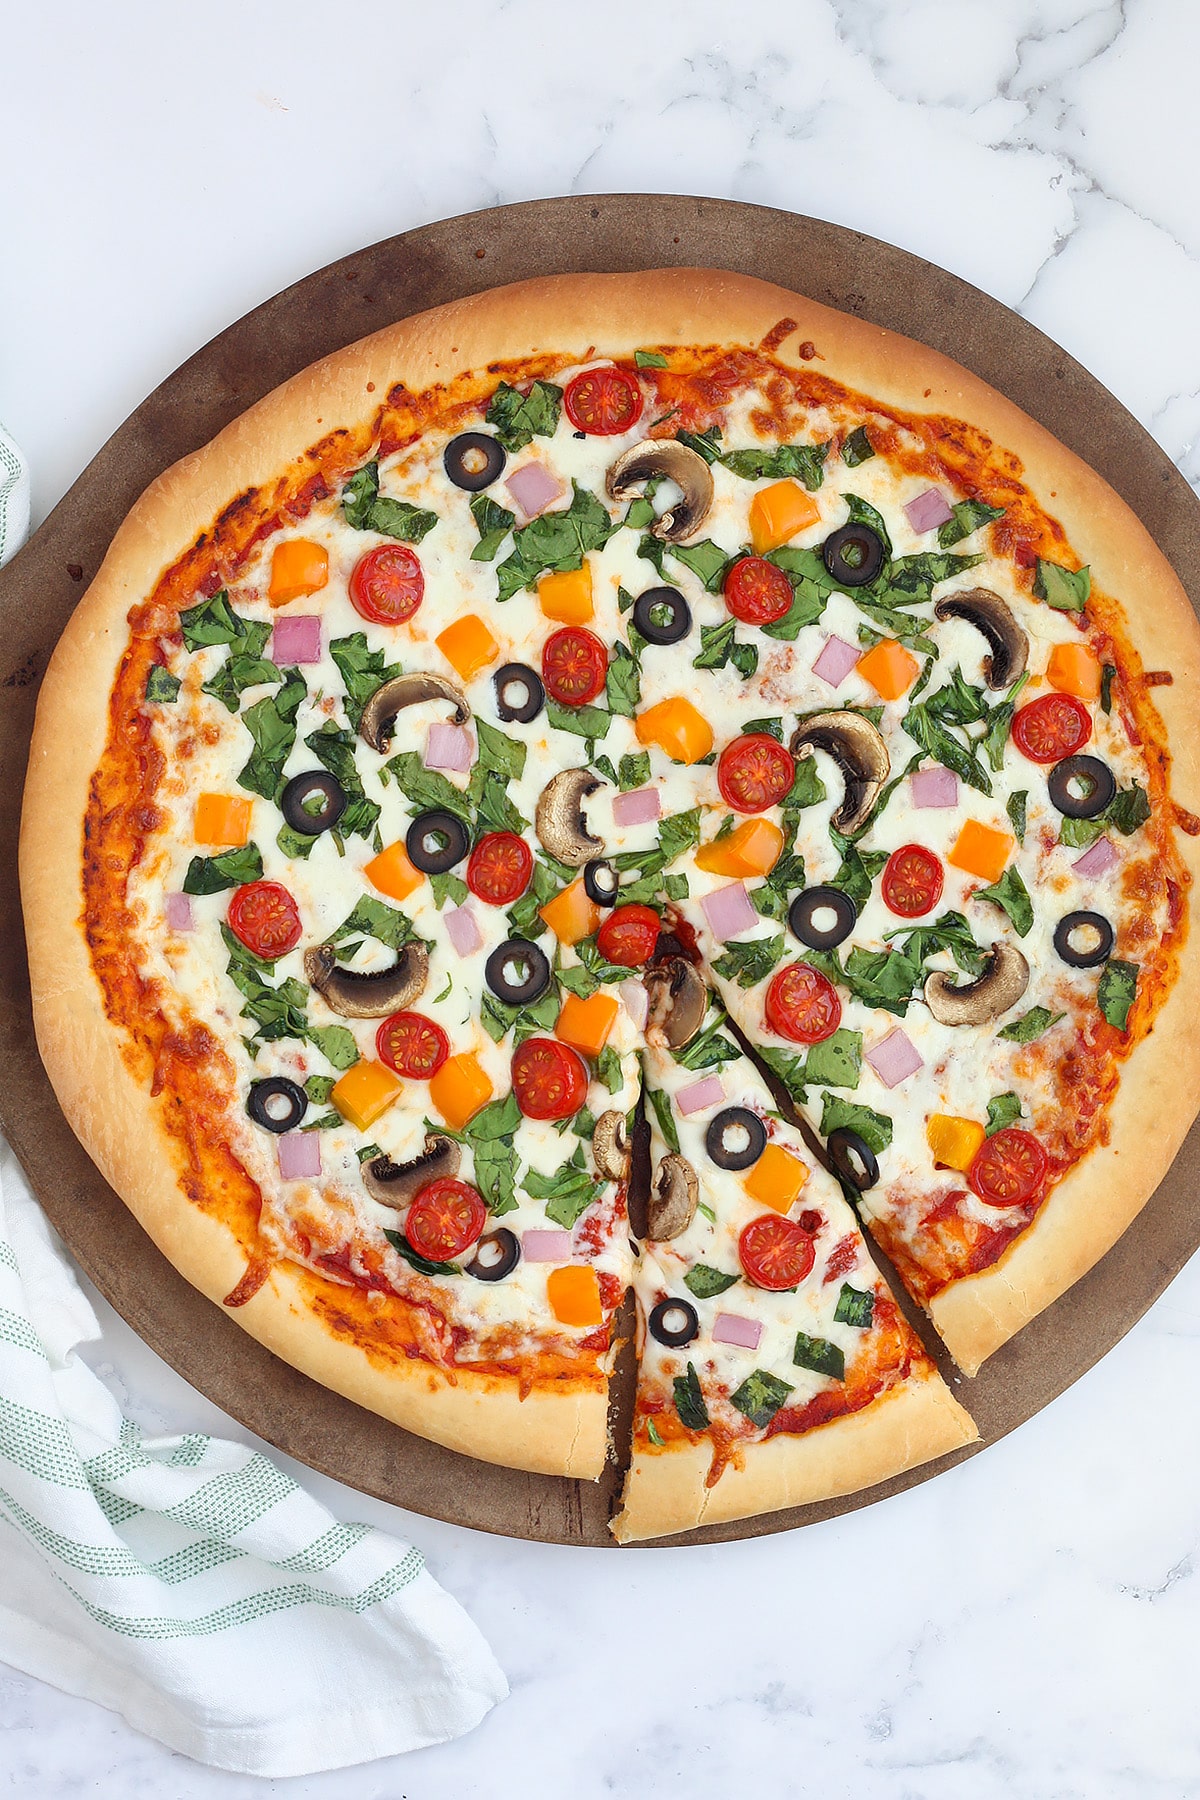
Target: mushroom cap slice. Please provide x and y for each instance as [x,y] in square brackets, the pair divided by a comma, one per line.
[561,827]
[860,753]
[995,619]
[610,1146]
[367,994]
[686,468]
[678,1002]
[1003,981]
[379,714]
[397,1184]
[674,1197]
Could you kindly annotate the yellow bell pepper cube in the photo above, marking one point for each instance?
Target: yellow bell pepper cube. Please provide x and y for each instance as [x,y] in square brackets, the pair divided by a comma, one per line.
[365,1091]
[459,1089]
[298,567]
[392,872]
[778,512]
[586,1024]
[676,727]
[1075,669]
[982,850]
[574,1295]
[776,1178]
[751,848]
[468,645]
[571,915]
[955,1142]
[890,669]
[222,819]
[567,595]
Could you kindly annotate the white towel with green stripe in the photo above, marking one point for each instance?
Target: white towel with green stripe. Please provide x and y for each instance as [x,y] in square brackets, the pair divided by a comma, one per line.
[188,1583]
[14,497]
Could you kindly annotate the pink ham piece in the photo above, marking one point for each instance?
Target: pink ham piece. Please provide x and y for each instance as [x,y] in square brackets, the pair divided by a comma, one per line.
[639,807]
[934,787]
[1097,861]
[179,912]
[928,510]
[449,747]
[534,488]
[732,1328]
[462,928]
[700,1095]
[895,1058]
[296,639]
[299,1154]
[836,660]
[547,1246]
[729,911]
[636,1002]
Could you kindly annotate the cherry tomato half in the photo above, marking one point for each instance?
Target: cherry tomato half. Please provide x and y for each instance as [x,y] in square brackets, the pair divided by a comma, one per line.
[1009,1169]
[775,1252]
[912,881]
[445,1219]
[1051,727]
[802,1004]
[412,1045]
[549,1080]
[629,936]
[603,402]
[264,917]
[499,868]
[756,592]
[387,584]
[574,665]
[755,772]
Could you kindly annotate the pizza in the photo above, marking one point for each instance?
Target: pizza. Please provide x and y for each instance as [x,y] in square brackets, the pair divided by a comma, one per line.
[627,783]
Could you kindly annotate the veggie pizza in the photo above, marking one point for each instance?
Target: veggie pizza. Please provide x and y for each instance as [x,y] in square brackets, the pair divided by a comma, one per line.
[618,709]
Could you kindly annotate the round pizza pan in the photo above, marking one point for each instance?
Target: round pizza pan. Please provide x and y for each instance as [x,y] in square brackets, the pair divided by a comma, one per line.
[39,589]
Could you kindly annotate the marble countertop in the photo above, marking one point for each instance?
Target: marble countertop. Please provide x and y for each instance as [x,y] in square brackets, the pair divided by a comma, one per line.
[1026,1624]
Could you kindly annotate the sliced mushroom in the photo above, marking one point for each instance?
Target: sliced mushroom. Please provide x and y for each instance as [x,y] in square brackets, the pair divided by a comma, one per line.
[859,752]
[378,720]
[610,1147]
[367,994]
[673,1199]
[686,468]
[994,618]
[1003,981]
[678,1002]
[396,1184]
[561,826]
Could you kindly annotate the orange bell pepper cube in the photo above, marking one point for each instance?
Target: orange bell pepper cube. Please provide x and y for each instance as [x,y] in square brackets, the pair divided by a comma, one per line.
[574,1295]
[459,1089]
[676,727]
[365,1091]
[567,595]
[468,644]
[571,915]
[751,848]
[955,1142]
[982,850]
[890,669]
[776,1178]
[778,512]
[586,1024]
[222,819]
[298,567]
[392,873]
[1075,669]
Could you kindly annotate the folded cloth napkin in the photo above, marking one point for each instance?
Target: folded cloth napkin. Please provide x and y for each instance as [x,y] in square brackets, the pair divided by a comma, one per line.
[14,497]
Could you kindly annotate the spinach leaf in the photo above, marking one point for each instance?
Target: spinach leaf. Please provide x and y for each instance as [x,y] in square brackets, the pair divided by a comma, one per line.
[162,688]
[1030,1025]
[802,461]
[750,962]
[554,540]
[335,748]
[649,359]
[366,509]
[421,1264]
[1015,807]
[568,1192]
[633,770]
[679,832]
[706,560]
[1012,896]
[362,671]
[243,668]
[1003,1110]
[623,685]
[689,1401]
[519,418]
[855,1307]
[1117,991]
[448,887]
[910,580]
[969,515]
[664,1118]
[233,868]
[708,1049]
[857,448]
[271,722]
[318,1088]
[875,1129]
[373,918]
[857,870]
[1107,677]
[426,788]
[500,759]
[938,741]
[336,1044]
[1067,590]
[787,1068]
[1128,809]
[760,1396]
[719,645]
[277,1012]
[494,523]
[585,721]
[862,512]
[819,1355]
[706,1283]
[705,443]
[212,622]
[836,1061]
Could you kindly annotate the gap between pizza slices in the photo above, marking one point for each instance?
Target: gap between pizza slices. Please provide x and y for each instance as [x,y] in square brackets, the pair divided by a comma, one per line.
[704,687]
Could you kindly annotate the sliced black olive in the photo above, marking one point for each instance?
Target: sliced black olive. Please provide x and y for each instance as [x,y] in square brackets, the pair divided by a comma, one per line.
[276,1103]
[852,1158]
[496,1256]
[806,908]
[1094,925]
[473,460]
[736,1138]
[313,803]
[600,881]
[1097,780]
[854,555]
[520,695]
[662,615]
[530,975]
[674,1323]
[436,840]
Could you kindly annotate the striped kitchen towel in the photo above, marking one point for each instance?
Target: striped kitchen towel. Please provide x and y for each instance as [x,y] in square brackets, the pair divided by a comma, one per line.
[14,497]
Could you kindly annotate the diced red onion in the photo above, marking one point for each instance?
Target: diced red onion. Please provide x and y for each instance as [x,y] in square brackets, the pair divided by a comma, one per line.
[836,660]
[934,787]
[547,1246]
[296,639]
[698,1096]
[534,488]
[179,912]
[449,747]
[636,1002]
[299,1154]
[728,911]
[640,807]
[462,928]
[732,1328]
[895,1058]
[1097,861]
[928,510]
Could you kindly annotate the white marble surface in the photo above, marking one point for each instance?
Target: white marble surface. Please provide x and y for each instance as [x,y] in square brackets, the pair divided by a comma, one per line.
[1025,1625]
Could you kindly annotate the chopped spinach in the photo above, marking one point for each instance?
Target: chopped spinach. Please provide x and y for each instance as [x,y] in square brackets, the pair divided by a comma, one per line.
[213,622]
[1015,806]
[366,509]
[719,645]
[819,1355]
[650,359]
[1003,1110]
[633,770]
[664,1118]
[554,540]
[750,962]
[855,1307]
[969,515]
[568,1192]
[836,1061]
[1117,991]
[421,1264]
[760,1396]
[1067,590]
[875,1129]
[1126,812]
[233,868]
[494,523]
[804,462]
[271,722]
[335,748]
[689,1400]
[1012,896]
[362,670]
[162,688]
[519,418]
[1030,1025]
[857,448]
[623,686]
[426,788]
